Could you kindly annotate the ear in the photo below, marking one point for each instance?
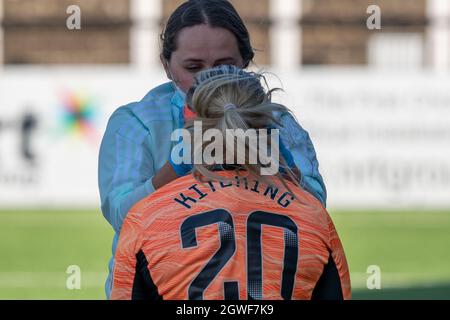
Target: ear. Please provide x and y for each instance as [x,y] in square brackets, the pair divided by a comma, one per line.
[165,64]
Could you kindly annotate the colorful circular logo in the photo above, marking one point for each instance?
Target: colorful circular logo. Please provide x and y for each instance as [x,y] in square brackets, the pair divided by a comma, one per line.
[78,116]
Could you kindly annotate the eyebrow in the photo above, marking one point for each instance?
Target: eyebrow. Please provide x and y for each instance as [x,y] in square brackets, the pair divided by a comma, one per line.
[200,60]
[226,59]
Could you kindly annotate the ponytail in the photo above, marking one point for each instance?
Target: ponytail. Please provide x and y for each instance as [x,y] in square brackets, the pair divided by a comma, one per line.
[227,99]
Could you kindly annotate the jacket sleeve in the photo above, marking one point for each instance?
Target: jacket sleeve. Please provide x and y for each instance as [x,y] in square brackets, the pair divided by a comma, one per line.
[126,265]
[298,142]
[126,168]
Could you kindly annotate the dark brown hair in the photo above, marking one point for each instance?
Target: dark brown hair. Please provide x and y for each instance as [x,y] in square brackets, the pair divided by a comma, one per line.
[215,13]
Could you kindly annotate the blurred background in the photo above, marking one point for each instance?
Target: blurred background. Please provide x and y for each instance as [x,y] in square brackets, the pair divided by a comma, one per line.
[376,103]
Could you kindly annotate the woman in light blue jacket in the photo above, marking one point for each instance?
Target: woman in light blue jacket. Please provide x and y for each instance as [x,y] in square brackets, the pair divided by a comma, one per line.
[134,154]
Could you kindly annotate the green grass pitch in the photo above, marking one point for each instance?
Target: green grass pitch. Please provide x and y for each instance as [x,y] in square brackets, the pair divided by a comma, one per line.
[36,247]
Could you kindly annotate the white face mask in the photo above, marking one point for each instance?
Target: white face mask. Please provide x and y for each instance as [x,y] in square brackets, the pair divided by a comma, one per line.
[178,90]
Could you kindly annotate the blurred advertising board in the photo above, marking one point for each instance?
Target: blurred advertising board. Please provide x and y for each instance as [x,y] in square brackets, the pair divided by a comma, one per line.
[382,139]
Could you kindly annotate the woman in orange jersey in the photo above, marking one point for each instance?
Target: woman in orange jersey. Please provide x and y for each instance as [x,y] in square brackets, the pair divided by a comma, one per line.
[236,228]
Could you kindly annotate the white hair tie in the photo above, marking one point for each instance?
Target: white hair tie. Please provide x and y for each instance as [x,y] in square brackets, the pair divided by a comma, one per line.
[229,106]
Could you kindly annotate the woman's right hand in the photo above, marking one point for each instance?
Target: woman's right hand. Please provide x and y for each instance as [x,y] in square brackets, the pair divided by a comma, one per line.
[181,169]
[169,172]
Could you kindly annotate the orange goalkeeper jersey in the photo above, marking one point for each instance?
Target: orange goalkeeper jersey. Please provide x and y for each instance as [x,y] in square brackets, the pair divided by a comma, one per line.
[242,239]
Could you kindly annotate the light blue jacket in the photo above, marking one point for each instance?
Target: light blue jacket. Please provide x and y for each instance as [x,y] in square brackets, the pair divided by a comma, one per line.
[137,144]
